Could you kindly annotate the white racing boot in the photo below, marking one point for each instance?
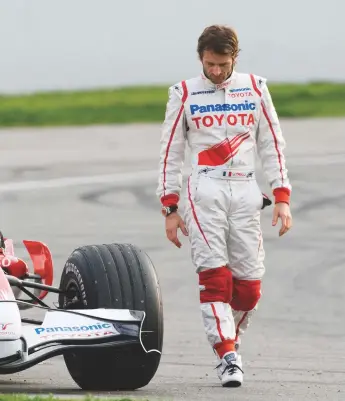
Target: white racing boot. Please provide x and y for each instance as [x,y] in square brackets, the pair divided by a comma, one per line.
[230,371]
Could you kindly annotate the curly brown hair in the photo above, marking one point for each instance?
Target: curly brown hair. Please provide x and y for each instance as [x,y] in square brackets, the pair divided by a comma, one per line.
[220,39]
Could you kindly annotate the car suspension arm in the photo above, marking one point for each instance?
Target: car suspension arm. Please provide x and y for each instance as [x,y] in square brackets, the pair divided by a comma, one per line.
[21,284]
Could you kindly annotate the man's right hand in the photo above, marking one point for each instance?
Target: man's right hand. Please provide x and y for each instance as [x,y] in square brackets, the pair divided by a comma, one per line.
[172,223]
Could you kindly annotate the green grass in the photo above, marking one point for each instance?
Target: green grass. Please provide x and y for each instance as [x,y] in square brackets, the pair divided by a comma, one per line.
[147,104]
[24,397]
[309,100]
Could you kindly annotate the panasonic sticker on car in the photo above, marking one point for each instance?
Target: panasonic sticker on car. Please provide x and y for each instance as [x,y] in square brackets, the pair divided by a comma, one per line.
[60,329]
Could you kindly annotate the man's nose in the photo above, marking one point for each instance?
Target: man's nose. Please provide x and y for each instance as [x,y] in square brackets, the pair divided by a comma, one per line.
[216,70]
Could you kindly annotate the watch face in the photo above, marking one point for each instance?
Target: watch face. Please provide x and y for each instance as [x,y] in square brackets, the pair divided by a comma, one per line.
[165,210]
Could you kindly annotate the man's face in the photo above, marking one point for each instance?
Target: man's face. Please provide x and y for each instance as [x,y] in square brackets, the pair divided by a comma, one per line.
[217,67]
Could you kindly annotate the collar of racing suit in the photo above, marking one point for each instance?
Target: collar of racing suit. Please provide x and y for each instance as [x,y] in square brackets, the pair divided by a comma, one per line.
[209,84]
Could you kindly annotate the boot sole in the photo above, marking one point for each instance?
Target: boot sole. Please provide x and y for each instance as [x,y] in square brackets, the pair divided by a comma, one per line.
[232,384]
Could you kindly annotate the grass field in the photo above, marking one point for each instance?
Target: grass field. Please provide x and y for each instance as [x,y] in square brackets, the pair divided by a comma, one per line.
[22,397]
[147,104]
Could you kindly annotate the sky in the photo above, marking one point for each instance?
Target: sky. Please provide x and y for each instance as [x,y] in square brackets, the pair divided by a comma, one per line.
[80,44]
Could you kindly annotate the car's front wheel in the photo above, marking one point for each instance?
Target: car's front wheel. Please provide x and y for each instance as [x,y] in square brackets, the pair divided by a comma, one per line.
[116,276]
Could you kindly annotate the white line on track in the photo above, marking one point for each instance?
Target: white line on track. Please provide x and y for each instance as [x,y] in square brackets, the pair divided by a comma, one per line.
[116,178]
[133,177]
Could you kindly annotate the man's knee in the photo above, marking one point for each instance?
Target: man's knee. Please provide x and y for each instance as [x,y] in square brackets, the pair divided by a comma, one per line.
[215,285]
[246,294]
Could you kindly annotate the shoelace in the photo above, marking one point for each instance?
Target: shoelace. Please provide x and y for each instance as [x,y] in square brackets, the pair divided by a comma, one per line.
[231,368]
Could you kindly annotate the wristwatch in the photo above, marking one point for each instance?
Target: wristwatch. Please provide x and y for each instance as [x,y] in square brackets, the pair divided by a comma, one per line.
[167,210]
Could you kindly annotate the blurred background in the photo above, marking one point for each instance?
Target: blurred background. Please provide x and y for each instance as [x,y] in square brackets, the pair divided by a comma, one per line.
[72,44]
[100,47]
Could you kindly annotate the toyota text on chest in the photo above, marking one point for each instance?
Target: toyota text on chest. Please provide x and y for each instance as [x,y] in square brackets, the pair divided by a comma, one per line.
[233,118]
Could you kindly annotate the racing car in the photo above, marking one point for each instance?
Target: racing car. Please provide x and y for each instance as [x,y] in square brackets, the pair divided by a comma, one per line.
[107,321]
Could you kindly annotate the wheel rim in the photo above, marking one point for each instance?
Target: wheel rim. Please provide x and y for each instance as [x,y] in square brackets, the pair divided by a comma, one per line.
[72,297]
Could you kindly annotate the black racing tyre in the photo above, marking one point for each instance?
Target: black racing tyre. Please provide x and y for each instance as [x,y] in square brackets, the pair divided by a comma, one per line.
[118,276]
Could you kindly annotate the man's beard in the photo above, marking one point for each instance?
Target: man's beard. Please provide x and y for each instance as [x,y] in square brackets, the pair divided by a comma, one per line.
[227,77]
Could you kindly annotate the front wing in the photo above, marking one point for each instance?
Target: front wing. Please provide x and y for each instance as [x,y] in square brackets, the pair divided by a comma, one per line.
[63,330]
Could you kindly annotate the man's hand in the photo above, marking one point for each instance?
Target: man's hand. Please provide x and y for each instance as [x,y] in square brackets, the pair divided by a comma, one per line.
[282,211]
[172,223]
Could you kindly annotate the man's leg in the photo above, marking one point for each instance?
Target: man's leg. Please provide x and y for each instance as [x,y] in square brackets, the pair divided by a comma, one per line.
[215,295]
[247,287]
[246,258]
[207,223]
[246,295]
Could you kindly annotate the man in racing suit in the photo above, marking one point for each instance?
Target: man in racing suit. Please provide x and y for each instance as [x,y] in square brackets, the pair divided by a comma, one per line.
[225,117]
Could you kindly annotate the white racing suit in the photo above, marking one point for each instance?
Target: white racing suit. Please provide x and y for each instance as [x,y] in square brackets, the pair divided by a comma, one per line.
[224,125]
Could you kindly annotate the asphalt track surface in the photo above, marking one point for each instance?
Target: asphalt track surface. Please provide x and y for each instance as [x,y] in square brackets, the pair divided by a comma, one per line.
[76,186]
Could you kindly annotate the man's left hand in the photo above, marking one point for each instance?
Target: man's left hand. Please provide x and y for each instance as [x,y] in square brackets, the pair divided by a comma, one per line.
[282,211]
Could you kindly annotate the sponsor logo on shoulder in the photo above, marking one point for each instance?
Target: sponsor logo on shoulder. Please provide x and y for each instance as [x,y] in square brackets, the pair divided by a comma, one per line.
[178,89]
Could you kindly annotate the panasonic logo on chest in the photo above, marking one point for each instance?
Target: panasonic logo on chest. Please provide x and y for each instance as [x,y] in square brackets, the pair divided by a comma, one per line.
[206,108]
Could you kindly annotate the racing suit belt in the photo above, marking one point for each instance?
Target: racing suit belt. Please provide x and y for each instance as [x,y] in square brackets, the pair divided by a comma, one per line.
[228,174]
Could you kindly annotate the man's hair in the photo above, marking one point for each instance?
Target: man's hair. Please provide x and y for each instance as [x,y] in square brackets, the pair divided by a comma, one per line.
[219,39]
